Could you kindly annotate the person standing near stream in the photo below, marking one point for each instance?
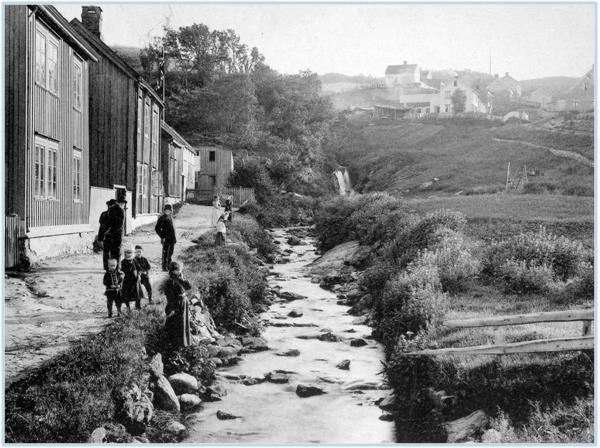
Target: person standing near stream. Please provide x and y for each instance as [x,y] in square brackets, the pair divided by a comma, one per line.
[177,324]
[166,232]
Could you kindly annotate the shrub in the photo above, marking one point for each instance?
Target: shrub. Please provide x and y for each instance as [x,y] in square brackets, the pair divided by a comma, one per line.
[332,221]
[578,190]
[564,256]
[539,187]
[580,290]
[252,234]
[519,277]
[193,359]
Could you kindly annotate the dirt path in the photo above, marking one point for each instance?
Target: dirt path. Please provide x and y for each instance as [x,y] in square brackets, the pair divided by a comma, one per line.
[556,152]
[62,299]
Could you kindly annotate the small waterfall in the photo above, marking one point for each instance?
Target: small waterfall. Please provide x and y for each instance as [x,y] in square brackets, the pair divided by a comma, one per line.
[343,179]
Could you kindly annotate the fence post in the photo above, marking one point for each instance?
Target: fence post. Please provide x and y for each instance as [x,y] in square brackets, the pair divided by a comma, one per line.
[587,327]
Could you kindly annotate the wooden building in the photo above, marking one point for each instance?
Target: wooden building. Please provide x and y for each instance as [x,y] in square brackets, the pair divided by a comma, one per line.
[216,164]
[46,130]
[180,162]
[125,117]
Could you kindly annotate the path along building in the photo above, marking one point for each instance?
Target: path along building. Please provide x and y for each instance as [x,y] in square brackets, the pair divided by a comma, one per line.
[125,116]
[47,146]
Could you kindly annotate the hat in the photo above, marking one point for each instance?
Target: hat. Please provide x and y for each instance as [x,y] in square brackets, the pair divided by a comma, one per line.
[121,200]
[168,207]
[174,265]
[111,202]
[138,247]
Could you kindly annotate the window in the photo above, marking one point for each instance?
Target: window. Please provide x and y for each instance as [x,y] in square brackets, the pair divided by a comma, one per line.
[575,103]
[455,83]
[45,169]
[155,149]
[46,59]
[211,156]
[77,175]
[39,188]
[147,117]
[77,84]
[142,188]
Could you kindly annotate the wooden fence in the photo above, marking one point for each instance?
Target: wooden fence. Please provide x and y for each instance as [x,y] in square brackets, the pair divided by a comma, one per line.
[583,342]
[239,195]
[12,244]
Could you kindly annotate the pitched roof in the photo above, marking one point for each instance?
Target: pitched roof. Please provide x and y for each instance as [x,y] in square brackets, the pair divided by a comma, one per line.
[51,14]
[100,47]
[396,69]
[176,137]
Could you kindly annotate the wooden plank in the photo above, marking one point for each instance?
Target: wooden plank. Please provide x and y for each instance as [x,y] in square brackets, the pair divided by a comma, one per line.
[537,346]
[521,319]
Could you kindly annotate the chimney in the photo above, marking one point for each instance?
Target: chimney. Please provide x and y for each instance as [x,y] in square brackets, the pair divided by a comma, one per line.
[91,17]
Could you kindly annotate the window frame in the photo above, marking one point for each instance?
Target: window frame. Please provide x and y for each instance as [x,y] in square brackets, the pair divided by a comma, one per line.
[77,87]
[45,187]
[49,39]
[77,175]
[212,156]
[155,136]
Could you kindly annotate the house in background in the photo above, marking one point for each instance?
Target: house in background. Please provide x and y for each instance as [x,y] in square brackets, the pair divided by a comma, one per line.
[216,164]
[580,97]
[402,74]
[506,86]
[181,165]
[46,130]
[125,117]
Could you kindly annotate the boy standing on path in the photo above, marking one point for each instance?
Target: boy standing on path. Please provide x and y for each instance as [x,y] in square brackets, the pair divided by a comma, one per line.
[113,280]
[166,232]
[131,282]
[144,266]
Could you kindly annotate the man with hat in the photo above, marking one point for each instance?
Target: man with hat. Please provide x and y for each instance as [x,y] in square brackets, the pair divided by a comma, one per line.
[102,230]
[113,237]
[166,232]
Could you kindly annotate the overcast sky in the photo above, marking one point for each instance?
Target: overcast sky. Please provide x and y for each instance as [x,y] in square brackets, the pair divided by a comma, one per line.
[527,40]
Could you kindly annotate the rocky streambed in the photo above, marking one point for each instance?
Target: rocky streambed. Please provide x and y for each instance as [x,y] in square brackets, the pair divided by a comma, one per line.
[316,377]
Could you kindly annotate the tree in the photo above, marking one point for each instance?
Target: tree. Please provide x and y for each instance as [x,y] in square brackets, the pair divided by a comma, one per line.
[459,100]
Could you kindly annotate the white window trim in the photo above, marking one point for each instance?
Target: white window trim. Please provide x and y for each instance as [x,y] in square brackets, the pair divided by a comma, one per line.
[77,154]
[77,63]
[48,147]
[49,38]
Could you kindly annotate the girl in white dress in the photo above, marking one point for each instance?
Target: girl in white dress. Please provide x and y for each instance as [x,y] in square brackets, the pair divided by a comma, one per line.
[216,211]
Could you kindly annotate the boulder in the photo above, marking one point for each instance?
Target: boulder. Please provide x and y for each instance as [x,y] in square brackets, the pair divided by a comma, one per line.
[254,343]
[360,320]
[115,433]
[295,313]
[291,352]
[133,409]
[251,381]
[214,392]
[98,435]
[387,403]
[218,361]
[304,391]
[362,385]
[226,416]
[164,395]
[140,439]
[386,417]
[294,241]
[463,428]
[277,378]
[358,343]
[290,296]
[344,365]
[156,366]
[183,383]
[176,428]
[328,337]
[491,436]
[189,401]
[228,352]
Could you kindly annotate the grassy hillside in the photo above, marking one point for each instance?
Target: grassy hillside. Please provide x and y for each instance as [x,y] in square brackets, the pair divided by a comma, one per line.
[553,85]
[445,157]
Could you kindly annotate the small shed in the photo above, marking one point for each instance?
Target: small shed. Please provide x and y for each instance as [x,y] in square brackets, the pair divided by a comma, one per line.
[181,164]
[216,164]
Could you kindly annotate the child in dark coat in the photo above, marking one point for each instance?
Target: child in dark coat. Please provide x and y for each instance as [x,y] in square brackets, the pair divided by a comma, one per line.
[113,281]
[131,282]
[177,311]
[144,266]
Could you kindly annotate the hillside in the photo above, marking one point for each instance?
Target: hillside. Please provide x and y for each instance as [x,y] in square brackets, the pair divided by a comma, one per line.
[445,157]
[553,85]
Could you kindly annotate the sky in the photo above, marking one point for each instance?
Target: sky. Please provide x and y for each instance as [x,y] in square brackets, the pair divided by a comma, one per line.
[526,40]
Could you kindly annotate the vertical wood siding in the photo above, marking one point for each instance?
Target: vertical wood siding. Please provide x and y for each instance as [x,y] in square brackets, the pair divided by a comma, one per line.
[15,110]
[54,118]
[220,168]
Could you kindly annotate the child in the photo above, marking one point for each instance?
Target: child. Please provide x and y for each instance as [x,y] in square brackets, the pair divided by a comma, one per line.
[144,268]
[131,283]
[229,208]
[177,312]
[113,280]
[221,231]
[166,232]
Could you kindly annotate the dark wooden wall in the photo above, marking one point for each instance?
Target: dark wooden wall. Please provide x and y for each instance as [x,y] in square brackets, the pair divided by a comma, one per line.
[32,111]
[220,168]
[15,124]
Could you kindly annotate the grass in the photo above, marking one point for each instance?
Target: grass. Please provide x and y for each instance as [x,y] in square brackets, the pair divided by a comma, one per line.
[401,156]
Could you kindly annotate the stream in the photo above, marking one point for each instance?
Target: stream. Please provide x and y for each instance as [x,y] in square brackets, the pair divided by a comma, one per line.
[273,412]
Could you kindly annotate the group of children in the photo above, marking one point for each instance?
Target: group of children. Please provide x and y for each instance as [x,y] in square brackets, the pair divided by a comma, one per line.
[123,283]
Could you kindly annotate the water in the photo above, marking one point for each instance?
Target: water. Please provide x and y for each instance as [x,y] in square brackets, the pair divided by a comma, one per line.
[343,179]
[273,413]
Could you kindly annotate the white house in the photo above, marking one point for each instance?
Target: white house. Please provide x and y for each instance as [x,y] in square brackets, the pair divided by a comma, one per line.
[402,74]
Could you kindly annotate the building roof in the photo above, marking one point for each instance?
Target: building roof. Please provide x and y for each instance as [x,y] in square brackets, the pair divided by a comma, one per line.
[433,83]
[178,139]
[503,84]
[50,14]
[397,69]
[102,49]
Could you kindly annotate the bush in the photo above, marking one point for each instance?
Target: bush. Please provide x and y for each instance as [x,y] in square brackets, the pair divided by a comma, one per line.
[579,291]
[521,278]
[193,359]
[564,256]
[539,187]
[578,190]
[252,234]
